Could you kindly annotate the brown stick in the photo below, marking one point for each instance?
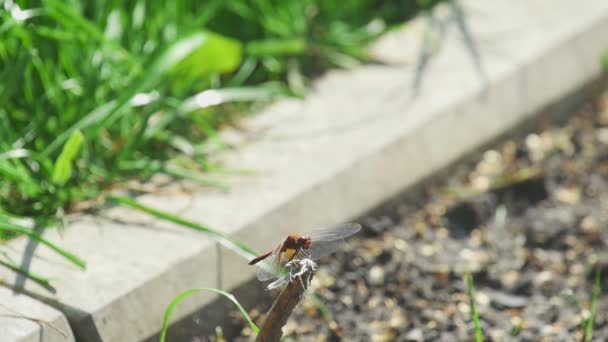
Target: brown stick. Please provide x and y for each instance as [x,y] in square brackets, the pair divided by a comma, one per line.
[290,296]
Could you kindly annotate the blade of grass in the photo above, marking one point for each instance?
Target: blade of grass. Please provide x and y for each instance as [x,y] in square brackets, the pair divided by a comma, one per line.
[65,14]
[474,313]
[126,151]
[15,153]
[276,47]
[7,226]
[213,97]
[181,172]
[63,166]
[93,117]
[242,74]
[40,280]
[596,293]
[15,173]
[232,244]
[185,294]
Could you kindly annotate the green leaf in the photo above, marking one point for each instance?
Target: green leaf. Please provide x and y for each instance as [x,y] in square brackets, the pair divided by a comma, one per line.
[183,295]
[63,165]
[605,61]
[214,54]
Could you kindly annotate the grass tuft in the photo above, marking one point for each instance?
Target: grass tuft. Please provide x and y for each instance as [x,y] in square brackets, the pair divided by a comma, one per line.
[474,313]
[96,93]
[588,324]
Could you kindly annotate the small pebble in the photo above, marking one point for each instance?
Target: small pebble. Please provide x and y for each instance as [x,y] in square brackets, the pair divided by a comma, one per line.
[414,335]
[376,275]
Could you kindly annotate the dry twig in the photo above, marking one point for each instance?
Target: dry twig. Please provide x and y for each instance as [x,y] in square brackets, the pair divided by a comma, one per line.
[299,279]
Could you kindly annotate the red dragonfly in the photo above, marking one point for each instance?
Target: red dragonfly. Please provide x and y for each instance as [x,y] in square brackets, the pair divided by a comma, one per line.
[314,245]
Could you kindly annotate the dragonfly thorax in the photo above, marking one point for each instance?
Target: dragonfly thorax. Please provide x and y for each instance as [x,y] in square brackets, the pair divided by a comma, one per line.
[304,242]
[296,242]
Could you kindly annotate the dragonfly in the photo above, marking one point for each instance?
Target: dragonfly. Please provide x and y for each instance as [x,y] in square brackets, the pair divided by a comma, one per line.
[314,245]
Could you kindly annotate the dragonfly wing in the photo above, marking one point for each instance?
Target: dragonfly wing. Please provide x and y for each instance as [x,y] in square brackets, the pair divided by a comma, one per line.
[265,274]
[327,241]
[319,249]
[335,233]
[269,267]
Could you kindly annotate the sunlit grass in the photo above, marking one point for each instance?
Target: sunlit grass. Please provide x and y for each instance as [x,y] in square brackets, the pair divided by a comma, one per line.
[97,93]
[130,80]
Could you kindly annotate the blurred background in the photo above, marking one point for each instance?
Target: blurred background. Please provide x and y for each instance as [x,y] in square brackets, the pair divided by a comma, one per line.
[104,95]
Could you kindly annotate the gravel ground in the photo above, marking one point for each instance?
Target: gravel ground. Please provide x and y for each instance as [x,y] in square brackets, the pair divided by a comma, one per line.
[528,218]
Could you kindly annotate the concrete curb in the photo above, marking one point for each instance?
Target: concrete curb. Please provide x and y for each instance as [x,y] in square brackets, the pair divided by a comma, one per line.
[361,137]
[23,319]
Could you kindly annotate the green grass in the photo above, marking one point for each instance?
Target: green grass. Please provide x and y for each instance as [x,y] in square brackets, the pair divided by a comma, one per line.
[96,93]
[179,298]
[588,323]
[474,314]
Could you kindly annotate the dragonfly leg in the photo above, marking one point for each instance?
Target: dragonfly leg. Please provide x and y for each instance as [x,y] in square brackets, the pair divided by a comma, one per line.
[301,281]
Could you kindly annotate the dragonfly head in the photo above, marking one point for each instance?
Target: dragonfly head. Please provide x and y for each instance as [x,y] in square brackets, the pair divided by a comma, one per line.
[305,242]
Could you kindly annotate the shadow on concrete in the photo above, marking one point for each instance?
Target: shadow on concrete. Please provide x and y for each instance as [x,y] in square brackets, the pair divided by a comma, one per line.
[439,25]
[26,260]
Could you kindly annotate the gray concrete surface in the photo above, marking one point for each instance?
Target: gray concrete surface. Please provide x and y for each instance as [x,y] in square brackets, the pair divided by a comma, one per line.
[24,319]
[450,82]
